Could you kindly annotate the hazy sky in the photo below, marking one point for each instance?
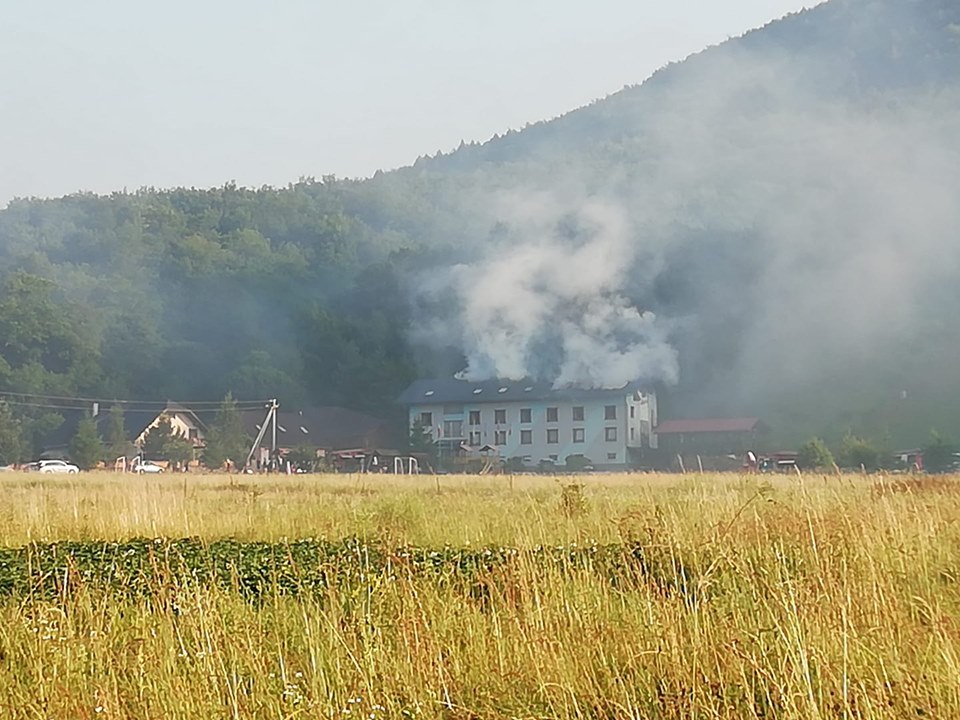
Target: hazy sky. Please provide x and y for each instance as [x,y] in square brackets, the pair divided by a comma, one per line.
[110,94]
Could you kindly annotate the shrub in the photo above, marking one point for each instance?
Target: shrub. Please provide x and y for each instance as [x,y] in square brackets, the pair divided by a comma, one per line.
[856,452]
[515,465]
[85,447]
[577,463]
[938,456]
[814,455]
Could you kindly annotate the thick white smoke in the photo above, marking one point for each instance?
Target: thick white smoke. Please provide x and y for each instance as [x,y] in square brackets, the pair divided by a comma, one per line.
[548,302]
[786,206]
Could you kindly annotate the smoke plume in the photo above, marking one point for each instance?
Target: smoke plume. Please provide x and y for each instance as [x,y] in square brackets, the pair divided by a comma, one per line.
[774,222]
[547,300]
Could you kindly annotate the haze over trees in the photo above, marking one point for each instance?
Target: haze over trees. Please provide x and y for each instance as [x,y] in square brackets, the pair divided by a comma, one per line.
[784,203]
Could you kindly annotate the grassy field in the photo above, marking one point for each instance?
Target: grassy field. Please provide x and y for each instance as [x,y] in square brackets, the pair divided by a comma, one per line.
[647,596]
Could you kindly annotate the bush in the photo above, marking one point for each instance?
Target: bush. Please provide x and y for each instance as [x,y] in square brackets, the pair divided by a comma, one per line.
[577,463]
[938,456]
[546,466]
[856,453]
[515,465]
[85,447]
[814,455]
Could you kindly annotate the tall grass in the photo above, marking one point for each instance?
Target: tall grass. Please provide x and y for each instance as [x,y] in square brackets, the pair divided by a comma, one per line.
[791,598]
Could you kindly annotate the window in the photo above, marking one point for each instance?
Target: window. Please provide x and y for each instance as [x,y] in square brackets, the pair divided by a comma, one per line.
[553,436]
[610,412]
[426,419]
[552,414]
[526,416]
[453,428]
[475,437]
[578,435]
[633,433]
[578,414]
[633,411]
[500,437]
[526,437]
[610,434]
[611,456]
[474,417]
[500,417]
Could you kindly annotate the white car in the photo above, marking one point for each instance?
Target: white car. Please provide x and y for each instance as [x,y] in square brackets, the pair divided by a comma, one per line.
[147,467]
[56,466]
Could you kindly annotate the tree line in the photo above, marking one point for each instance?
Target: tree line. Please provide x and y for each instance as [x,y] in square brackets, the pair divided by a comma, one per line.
[304,292]
[226,441]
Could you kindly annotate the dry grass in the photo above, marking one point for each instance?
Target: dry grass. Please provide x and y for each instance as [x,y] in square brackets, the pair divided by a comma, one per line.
[819,597]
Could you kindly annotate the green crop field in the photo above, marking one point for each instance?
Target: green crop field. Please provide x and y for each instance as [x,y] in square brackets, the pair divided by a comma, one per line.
[607,596]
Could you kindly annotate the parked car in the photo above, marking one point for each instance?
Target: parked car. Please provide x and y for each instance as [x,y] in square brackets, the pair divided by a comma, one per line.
[54,466]
[145,466]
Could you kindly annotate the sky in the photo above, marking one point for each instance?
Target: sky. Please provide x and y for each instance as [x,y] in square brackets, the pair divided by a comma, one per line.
[108,95]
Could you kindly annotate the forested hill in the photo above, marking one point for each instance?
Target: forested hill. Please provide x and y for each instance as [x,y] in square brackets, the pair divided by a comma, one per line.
[789,197]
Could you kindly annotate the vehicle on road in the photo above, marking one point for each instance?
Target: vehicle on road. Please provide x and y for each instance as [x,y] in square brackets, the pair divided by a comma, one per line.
[54,466]
[145,466]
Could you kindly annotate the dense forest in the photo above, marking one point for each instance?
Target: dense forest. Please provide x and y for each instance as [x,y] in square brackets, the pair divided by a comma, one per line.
[778,213]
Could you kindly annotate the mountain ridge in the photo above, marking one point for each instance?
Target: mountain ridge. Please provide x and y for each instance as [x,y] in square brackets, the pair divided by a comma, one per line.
[777,201]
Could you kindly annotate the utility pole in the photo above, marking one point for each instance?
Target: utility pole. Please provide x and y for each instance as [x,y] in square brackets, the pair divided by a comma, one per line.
[274,406]
[269,420]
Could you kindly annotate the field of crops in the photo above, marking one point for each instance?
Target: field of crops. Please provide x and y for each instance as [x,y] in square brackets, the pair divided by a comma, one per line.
[614,596]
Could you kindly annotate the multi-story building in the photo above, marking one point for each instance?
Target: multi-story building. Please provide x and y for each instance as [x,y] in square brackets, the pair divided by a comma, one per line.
[534,421]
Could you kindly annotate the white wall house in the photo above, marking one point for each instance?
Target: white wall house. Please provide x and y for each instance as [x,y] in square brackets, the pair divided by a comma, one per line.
[534,421]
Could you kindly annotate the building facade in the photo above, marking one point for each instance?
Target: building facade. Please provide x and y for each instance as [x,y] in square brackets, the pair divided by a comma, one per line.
[531,422]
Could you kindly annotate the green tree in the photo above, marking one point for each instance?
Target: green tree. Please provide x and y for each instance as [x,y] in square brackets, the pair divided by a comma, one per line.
[226,439]
[163,442]
[36,426]
[814,455]
[359,354]
[154,446]
[939,455]
[420,441]
[178,449]
[12,444]
[116,441]
[44,342]
[86,450]
[304,457]
[856,452]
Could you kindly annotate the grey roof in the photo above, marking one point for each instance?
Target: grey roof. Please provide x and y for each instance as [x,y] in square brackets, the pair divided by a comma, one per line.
[451,390]
[330,428]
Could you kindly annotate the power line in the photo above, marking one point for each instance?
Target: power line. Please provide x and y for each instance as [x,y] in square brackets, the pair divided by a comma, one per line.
[18,403]
[65,402]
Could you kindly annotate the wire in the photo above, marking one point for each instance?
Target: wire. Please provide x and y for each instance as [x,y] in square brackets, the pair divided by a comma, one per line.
[113,401]
[63,402]
[18,403]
